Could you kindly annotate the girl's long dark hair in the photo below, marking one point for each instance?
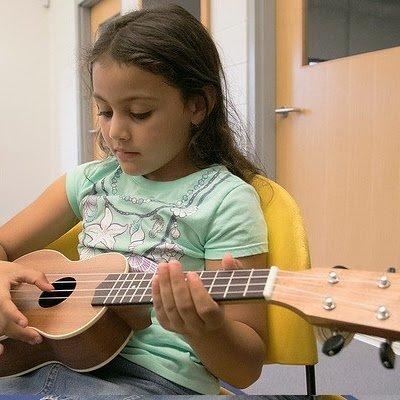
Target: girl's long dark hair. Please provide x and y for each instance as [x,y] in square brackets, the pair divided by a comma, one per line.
[171,42]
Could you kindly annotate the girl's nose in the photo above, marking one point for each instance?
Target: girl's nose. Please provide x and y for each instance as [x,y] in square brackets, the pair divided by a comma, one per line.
[118,130]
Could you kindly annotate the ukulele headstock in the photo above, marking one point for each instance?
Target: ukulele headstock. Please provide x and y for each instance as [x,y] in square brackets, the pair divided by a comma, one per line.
[356,301]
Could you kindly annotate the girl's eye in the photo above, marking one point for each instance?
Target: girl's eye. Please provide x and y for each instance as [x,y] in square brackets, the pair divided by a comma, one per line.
[108,114]
[142,115]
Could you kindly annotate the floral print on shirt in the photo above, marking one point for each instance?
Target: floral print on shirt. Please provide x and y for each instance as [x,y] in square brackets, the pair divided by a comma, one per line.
[101,232]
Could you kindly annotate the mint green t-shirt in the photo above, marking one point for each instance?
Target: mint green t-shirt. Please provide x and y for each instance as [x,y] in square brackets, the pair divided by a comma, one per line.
[201,216]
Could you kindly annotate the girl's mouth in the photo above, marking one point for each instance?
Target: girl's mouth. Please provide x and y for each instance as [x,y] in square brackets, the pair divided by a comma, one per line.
[126,155]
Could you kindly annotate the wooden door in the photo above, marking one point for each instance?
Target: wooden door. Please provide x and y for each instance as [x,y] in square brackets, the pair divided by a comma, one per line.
[339,157]
[100,13]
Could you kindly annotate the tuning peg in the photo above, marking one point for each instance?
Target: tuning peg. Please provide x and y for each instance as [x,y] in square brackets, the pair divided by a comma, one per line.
[333,345]
[387,355]
[392,270]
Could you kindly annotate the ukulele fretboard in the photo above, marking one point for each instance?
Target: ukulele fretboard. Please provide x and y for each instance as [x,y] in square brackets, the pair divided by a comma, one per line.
[135,287]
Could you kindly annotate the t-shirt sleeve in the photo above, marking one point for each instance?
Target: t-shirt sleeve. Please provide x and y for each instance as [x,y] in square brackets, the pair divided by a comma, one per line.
[77,186]
[238,226]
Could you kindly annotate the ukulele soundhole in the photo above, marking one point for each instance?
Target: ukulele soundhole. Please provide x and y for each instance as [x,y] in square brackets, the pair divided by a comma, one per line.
[63,288]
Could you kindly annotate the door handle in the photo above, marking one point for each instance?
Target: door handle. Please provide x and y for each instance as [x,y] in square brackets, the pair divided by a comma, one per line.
[284,111]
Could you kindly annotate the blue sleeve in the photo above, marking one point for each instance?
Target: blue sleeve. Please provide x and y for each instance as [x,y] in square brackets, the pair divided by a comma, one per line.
[238,226]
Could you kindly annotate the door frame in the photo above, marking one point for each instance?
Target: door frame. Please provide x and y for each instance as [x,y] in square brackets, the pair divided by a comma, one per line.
[261,73]
[85,132]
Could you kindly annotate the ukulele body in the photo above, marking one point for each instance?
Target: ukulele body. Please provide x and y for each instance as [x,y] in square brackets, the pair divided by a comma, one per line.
[75,333]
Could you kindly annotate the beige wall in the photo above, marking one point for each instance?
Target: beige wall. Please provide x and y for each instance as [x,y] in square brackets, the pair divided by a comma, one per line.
[229,30]
[37,100]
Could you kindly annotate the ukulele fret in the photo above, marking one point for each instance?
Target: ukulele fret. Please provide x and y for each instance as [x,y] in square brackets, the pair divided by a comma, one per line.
[113,279]
[131,289]
[227,286]
[103,290]
[125,285]
[116,288]
[210,289]
[248,282]
[237,288]
[136,288]
[147,297]
[222,278]
[141,288]
[148,287]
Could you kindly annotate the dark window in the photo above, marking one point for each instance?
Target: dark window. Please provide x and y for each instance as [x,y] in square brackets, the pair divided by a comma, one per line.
[340,28]
[193,6]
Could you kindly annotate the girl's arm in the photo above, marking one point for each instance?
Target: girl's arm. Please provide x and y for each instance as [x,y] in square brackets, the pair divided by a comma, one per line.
[41,222]
[3,255]
[229,339]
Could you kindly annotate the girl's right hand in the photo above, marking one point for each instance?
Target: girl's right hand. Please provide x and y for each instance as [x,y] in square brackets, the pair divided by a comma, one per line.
[12,322]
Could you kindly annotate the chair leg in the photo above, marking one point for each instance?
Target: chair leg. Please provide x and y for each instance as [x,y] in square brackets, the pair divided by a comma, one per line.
[310,380]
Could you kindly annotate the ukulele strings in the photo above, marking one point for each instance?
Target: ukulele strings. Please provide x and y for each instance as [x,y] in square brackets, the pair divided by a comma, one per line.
[282,288]
[147,283]
[292,275]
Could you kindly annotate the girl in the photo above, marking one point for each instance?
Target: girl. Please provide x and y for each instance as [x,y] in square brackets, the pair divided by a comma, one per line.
[172,188]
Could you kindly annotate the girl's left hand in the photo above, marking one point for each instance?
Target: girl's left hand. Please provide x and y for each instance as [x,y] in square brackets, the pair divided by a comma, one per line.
[183,305]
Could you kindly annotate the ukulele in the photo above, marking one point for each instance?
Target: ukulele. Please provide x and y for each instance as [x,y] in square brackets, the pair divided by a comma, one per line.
[81,330]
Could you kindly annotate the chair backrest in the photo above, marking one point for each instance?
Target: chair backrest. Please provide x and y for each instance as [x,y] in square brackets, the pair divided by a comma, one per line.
[67,244]
[290,339]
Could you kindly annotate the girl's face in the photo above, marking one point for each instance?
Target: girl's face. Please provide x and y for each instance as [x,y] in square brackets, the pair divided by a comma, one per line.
[143,121]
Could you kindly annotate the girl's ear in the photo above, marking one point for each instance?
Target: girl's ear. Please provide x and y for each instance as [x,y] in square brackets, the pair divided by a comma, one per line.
[198,105]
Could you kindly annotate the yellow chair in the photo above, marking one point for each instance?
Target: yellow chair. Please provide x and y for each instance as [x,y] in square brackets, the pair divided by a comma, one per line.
[290,339]
[67,244]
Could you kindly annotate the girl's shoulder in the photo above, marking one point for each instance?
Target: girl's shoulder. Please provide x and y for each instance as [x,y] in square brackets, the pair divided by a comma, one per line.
[227,181]
[92,171]
[81,180]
